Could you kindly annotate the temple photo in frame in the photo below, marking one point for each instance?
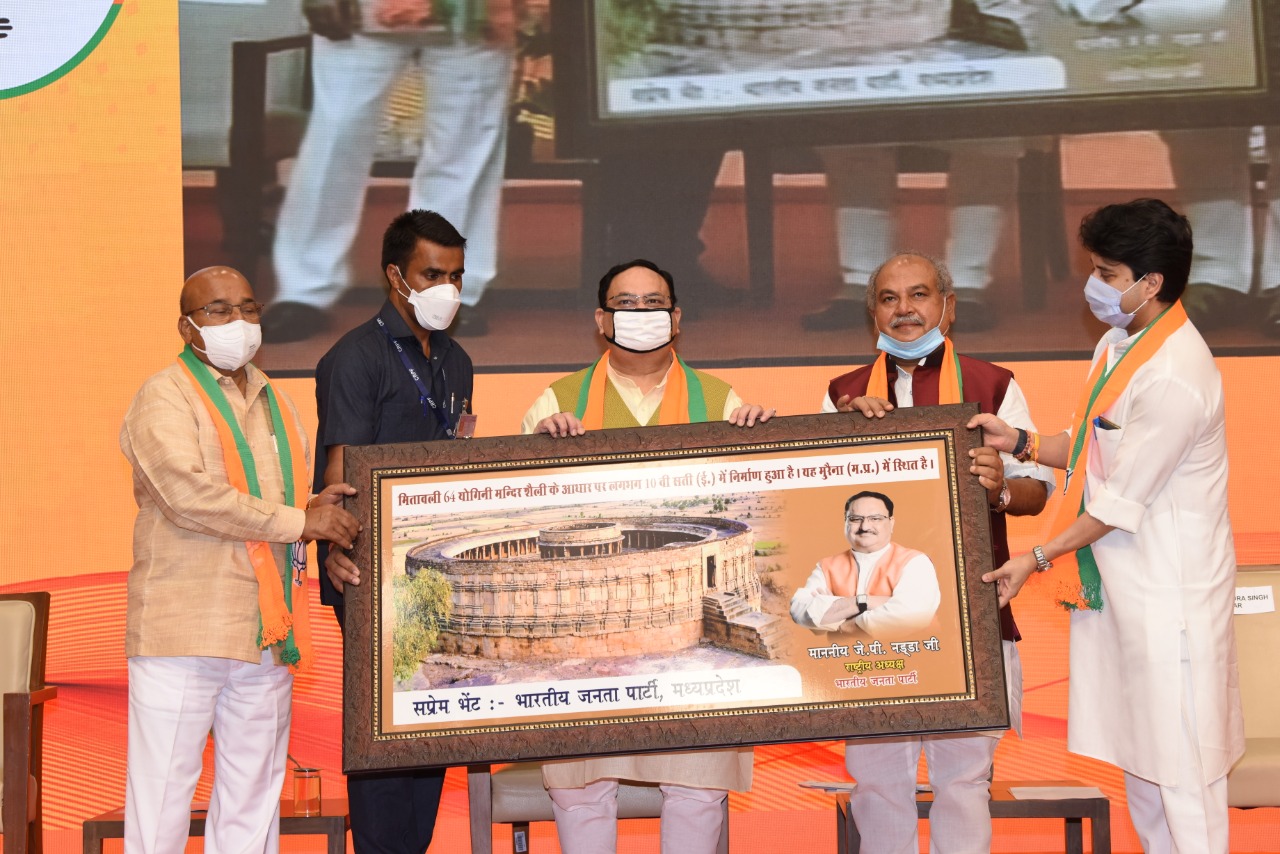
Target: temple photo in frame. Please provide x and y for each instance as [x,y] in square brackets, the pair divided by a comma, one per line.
[533,598]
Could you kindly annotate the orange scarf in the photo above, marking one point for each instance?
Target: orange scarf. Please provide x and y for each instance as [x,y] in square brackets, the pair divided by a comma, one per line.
[1100,392]
[678,406]
[284,611]
[950,384]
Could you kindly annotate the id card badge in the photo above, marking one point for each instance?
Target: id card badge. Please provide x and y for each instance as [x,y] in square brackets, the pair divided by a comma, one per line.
[466,427]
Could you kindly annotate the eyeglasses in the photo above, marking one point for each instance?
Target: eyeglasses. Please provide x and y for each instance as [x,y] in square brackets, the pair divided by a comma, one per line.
[220,312]
[627,302]
[874,520]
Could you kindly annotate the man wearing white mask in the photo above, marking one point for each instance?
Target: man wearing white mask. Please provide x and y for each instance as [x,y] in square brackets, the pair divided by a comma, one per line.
[216,619]
[640,381]
[1146,563]
[639,320]
[395,378]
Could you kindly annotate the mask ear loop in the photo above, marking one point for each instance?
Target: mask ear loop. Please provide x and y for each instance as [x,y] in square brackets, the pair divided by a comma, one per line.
[1130,314]
[400,275]
[199,330]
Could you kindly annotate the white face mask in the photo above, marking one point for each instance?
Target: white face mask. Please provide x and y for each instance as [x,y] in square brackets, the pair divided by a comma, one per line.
[230,346]
[435,307]
[1104,301]
[641,330]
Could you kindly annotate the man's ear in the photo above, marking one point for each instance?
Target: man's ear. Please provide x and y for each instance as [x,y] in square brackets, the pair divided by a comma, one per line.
[1154,282]
[600,313]
[395,278]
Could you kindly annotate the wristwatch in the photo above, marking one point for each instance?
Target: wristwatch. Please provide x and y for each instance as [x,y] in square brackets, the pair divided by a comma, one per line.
[1043,564]
[1005,497]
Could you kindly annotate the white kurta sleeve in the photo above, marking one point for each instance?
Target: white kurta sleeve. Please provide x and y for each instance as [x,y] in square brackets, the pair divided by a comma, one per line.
[811,602]
[828,405]
[546,405]
[1164,421]
[1015,412]
[913,604]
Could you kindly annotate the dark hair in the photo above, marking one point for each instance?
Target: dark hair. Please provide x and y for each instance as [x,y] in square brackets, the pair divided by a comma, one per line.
[402,236]
[866,493]
[1146,235]
[607,279]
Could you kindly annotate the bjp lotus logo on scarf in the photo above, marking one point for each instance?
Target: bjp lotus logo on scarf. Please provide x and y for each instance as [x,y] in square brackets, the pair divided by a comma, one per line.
[43,40]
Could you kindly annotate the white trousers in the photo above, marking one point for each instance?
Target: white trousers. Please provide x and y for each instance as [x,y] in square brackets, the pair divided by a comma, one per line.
[1191,817]
[587,818]
[1211,170]
[981,189]
[458,174]
[173,704]
[884,803]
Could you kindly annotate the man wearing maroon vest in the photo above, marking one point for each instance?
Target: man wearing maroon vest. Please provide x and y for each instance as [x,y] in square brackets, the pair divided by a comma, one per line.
[912,301]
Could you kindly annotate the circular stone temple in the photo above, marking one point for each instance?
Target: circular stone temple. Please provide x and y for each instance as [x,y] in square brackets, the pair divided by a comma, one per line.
[599,587]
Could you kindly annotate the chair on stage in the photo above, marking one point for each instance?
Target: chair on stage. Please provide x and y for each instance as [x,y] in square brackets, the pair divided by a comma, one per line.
[514,795]
[24,632]
[1255,779]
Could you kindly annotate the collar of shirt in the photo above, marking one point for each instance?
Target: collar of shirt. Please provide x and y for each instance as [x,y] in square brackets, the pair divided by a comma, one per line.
[933,360]
[901,380]
[255,382]
[1118,343]
[642,405]
[399,329]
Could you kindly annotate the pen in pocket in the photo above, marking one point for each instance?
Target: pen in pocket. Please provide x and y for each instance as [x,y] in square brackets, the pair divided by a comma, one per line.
[1105,424]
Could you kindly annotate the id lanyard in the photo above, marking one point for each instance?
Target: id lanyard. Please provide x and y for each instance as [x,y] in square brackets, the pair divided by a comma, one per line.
[424,393]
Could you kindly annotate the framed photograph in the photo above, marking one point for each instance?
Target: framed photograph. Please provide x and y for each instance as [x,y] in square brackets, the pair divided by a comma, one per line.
[669,588]
[738,73]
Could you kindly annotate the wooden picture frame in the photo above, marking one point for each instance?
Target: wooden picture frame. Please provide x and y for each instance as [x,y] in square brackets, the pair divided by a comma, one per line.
[635,590]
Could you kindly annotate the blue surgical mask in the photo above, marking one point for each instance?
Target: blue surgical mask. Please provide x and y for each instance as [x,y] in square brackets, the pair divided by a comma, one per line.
[1104,302]
[919,348]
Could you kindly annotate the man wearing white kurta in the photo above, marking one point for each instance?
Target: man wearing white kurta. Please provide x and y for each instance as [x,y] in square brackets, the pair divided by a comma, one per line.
[1154,687]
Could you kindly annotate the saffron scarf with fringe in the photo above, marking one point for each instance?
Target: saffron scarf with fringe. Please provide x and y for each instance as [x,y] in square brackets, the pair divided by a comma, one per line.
[284,619]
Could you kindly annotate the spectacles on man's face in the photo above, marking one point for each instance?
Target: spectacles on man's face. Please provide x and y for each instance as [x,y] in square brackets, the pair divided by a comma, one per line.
[874,520]
[628,302]
[220,312]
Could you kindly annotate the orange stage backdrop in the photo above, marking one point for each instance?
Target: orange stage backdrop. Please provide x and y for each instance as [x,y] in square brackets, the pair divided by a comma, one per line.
[90,203]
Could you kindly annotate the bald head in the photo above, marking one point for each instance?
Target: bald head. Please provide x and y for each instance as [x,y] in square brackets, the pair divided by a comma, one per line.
[213,284]
[214,297]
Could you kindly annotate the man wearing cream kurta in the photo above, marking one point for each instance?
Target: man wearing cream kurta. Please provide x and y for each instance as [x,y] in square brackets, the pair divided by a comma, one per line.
[195,605]
[638,374]
[1154,687]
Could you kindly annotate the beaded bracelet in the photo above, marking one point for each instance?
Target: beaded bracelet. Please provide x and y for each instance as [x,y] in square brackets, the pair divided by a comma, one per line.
[1030,451]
